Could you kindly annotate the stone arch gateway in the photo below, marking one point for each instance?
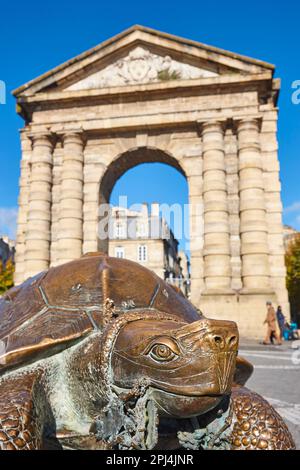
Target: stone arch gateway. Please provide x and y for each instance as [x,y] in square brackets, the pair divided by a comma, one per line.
[144,95]
[124,162]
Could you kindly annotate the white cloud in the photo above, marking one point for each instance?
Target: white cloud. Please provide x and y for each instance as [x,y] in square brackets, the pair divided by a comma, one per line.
[291,215]
[8,221]
[295,207]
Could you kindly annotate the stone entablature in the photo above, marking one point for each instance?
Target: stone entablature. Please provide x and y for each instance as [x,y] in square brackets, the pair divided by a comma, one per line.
[219,130]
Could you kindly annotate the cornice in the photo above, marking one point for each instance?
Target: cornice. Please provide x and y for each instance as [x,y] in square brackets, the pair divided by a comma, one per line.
[139,91]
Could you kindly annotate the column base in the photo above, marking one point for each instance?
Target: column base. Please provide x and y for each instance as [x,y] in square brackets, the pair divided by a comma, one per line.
[248,310]
[256,291]
[218,291]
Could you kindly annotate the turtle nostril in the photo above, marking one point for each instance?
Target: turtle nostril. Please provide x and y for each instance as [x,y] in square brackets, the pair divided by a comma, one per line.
[218,340]
[232,340]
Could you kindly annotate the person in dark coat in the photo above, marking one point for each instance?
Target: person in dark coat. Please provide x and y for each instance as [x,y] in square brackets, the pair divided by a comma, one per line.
[280,320]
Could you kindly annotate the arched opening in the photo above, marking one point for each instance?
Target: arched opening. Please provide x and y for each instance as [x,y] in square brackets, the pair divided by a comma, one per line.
[148,195]
[130,159]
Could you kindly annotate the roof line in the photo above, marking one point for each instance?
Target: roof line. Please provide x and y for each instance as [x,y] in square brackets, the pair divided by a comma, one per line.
[126,32]
[200,45]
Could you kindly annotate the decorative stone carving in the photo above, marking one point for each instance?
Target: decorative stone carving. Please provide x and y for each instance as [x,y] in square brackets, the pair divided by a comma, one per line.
[141,66]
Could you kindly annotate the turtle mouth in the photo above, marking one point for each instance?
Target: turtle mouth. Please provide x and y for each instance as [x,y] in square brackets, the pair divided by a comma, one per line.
[175,405]
[187,394]
[171,404]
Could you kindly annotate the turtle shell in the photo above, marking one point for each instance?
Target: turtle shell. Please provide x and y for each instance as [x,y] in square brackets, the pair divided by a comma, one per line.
[56,308]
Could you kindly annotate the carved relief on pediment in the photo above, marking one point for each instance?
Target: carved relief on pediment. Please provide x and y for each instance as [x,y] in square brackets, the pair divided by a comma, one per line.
[141,66]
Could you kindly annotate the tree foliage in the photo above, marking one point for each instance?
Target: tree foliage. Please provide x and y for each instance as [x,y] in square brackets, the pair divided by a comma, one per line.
[6,276]
[292,260]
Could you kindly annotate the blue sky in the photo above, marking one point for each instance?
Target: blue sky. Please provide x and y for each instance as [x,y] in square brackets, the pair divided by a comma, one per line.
[35,37]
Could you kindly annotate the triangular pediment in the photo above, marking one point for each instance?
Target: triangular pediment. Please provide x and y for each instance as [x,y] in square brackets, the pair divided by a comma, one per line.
[141,55]
[140,66]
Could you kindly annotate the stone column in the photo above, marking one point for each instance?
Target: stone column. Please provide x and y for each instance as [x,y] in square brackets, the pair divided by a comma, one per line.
[24,185]
[232,182]
[71,202]
[253,226]
[92,175]
[217,269]
[196,233]
[269,153]
[56,196]
[37,252]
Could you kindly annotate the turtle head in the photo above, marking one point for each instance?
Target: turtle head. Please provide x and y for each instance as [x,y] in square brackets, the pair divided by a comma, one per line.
[190,367]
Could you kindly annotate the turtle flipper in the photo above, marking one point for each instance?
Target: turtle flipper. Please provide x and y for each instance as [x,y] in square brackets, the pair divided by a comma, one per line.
[21,419]
[256,425]
[248,422]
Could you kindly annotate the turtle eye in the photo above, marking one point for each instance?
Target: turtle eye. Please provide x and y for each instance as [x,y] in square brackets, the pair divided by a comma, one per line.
[162,352]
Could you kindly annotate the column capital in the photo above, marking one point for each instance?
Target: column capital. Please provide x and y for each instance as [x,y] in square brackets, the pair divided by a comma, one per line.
[247,130]
[211,125]
[45,138]
[76,136]
[253,122]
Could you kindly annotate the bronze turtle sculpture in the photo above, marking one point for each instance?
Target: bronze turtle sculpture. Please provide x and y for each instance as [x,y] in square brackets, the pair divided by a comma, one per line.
[100,353]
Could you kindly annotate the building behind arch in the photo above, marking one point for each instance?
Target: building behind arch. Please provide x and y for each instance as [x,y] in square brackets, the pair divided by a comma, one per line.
[144,96]
[144,236]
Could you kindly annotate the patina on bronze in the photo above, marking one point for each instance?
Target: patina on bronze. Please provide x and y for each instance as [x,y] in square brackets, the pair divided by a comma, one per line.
[100,353]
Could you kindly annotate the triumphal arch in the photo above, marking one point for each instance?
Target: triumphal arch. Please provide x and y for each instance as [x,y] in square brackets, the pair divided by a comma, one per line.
[147,96]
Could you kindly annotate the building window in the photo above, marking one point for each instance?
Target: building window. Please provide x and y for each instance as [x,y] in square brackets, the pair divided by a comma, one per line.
[142,253]
[119,230]
[119,252]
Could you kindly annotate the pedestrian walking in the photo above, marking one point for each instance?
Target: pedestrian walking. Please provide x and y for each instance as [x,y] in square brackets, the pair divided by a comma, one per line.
[281,321]
[271,321]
